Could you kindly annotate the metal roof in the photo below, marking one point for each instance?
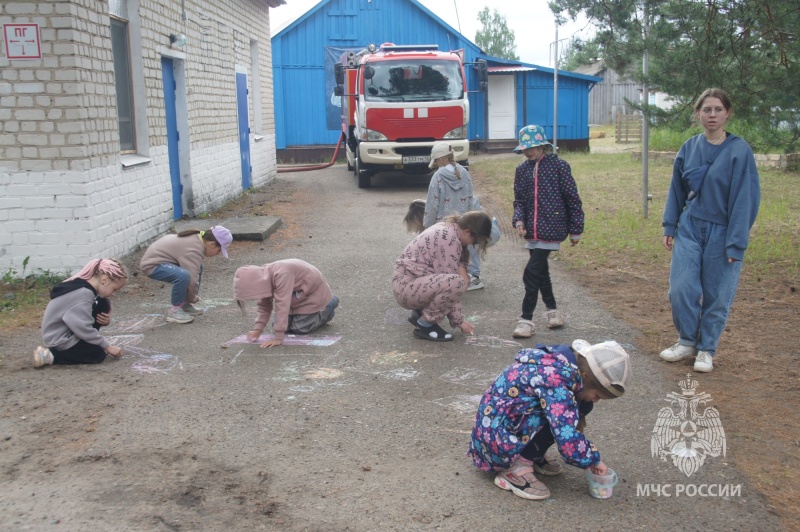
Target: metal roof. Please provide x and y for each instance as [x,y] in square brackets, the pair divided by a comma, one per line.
[511,68]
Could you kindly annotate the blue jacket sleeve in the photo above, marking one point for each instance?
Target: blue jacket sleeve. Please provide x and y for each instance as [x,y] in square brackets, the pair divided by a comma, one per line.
[561,410]
[572,200]
[676,196]
[743,204]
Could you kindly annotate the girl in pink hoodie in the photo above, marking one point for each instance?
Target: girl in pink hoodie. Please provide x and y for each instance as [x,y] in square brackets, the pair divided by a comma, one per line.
[295,290]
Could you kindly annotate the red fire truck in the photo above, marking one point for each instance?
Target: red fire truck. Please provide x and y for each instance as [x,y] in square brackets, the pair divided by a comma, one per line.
[397,101]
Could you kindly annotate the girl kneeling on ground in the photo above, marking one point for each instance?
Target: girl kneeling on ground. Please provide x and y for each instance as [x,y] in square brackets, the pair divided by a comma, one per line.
[295,290]
[78,308]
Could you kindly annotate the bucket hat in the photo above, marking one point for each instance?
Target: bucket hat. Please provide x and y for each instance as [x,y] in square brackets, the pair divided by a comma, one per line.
[609,362]
[440,149]
[530,137]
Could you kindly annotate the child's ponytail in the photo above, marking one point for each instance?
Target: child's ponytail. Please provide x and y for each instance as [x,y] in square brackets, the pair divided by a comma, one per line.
[113,268]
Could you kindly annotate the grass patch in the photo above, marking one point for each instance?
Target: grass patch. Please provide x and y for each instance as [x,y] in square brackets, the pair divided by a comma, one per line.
[23,299]
[617,235]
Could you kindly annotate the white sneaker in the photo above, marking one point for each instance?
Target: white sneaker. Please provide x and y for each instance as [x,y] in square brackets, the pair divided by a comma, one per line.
[677,352]
[555,318]
[475,283]
[525,329]
[704,362]
[42,357]
[179,316]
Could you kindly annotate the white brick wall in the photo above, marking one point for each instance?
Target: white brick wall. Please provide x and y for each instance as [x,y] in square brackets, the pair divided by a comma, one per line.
[64,196]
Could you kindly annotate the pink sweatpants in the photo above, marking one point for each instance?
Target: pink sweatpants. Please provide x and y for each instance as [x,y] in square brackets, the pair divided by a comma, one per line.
[438,294]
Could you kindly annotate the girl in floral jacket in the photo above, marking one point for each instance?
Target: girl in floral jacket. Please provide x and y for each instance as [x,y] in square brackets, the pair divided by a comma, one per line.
[542,399]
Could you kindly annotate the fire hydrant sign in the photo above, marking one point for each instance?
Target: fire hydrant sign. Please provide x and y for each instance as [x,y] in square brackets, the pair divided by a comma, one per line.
[22,41]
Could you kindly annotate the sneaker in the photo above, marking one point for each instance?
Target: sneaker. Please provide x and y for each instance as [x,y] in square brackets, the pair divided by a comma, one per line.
[42,357]
[677,352]
[704,362]
[548,467]
[521,481]
[191,310]
[177,315]
[475,283]
[525,329]
[555,319]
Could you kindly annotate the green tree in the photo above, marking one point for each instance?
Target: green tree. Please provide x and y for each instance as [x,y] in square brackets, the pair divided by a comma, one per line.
[494,38]
[749,48]
[579,53]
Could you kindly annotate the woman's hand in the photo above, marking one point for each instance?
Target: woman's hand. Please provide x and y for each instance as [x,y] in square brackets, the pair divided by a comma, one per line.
[467,328]
[114,351]
[253,335]
[103,319]
[599,469]
[272,343]
[667,241]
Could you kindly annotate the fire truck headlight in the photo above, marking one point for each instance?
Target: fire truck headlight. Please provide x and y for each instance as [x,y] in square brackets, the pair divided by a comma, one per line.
[370,134]
[457,133]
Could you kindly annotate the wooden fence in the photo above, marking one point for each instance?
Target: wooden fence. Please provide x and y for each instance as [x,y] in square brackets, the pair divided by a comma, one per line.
[629,129]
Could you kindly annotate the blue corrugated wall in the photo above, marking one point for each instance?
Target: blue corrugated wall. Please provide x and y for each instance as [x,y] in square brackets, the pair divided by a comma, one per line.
[298,62]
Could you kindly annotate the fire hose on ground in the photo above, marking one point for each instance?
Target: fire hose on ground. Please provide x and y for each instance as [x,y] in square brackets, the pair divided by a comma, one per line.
[315,167]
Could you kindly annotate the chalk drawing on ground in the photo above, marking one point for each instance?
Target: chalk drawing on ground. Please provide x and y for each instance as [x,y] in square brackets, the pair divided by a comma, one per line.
[490,341]
[400,374]
[311,376]
[463,404]
[469,376]
[289,339]
[136,324]
[149,361]
[398,357]
[125,340]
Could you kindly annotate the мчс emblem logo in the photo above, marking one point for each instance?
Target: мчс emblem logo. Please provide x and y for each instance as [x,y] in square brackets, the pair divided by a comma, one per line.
[685,433]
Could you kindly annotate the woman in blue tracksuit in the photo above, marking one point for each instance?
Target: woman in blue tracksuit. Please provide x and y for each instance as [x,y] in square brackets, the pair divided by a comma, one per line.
[707,220]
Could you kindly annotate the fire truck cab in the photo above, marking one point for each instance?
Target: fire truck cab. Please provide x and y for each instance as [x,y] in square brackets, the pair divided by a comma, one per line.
[396,102]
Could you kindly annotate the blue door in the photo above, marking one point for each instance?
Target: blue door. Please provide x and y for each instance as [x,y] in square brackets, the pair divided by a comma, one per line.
[244,129]
[168,74]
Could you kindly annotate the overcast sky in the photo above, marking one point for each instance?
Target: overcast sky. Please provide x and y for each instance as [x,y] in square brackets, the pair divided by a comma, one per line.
[533,25]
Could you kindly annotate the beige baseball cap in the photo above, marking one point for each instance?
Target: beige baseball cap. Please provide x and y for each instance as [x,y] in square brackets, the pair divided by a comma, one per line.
[609,362]
[440,149]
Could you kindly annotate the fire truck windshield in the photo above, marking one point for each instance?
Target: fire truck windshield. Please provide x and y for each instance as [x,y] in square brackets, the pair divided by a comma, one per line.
[414,80]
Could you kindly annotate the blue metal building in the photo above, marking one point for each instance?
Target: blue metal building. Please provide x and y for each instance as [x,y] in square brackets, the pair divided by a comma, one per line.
[302,60]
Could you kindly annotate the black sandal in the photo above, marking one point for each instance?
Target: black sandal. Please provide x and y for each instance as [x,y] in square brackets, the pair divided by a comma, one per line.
[415,315]
[434,333]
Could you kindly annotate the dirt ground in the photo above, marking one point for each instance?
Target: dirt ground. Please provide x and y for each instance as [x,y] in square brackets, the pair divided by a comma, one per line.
[755,376]
[191,473]
[755,372]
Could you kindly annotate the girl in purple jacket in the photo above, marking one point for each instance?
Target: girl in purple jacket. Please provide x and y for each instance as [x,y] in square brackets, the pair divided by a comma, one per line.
[547,209]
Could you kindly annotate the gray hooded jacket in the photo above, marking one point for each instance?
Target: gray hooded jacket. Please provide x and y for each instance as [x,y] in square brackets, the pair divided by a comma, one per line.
[447,194]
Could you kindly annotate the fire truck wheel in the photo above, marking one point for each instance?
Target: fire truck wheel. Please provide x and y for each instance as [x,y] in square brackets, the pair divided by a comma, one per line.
[364,178]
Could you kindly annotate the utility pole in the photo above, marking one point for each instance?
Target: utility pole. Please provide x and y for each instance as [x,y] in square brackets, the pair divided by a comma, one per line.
[555,93]
[646,114]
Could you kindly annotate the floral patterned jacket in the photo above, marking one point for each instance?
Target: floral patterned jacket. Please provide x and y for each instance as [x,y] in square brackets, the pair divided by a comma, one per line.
[535,393]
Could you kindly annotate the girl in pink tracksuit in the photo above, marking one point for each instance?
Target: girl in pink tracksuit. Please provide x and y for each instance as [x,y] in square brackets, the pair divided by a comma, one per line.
[431,275]
[293,289]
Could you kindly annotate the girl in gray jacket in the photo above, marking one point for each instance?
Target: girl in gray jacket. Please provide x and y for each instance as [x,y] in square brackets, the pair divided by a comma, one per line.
[78,308]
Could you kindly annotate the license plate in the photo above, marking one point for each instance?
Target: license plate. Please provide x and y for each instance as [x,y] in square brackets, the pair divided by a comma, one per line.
[411,159]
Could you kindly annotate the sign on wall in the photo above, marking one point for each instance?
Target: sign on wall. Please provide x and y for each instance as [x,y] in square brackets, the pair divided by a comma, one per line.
[22,41]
